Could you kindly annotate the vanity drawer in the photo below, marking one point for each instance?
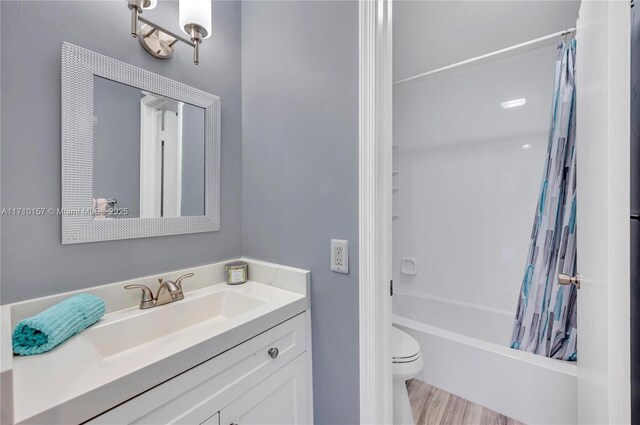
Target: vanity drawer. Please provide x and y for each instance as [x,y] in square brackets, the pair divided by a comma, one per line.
[200,392]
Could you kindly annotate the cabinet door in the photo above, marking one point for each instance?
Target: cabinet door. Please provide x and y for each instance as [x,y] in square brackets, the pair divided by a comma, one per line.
[281,399]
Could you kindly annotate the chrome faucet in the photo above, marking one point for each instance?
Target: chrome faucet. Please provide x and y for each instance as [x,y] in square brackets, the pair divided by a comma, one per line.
[168,292]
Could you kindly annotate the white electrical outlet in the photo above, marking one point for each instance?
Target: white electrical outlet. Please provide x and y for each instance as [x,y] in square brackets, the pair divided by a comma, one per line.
[339,256]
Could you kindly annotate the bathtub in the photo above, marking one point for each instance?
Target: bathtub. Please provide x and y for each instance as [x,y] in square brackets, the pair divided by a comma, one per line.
[466,352]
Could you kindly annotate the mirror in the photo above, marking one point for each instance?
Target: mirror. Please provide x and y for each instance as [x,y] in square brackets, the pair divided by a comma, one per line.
[148,154]
[140,152]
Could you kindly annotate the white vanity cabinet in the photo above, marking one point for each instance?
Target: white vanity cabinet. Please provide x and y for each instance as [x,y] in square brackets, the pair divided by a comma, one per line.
[263,380]
[279,399]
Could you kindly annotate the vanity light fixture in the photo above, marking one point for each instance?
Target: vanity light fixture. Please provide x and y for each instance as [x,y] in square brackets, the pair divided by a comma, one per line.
[195,21]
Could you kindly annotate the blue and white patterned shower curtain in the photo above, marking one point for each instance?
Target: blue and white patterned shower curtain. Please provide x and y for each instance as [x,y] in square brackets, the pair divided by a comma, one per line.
[546,317]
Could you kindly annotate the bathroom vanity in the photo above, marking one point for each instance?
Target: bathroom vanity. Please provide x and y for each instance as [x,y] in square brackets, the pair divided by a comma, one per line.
[222,355]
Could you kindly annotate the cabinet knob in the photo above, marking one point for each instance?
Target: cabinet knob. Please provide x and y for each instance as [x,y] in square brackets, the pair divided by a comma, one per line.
[273,352]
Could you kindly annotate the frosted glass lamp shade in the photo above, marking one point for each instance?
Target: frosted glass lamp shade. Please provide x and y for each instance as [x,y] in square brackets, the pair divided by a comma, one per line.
[195,12]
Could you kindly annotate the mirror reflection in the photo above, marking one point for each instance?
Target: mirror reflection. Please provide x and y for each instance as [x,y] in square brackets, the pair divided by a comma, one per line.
[149,154]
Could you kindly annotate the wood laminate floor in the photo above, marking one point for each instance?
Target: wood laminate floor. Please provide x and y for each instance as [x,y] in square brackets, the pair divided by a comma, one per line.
[433,406]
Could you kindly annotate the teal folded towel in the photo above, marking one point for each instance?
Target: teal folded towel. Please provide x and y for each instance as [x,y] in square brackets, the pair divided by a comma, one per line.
[42,332]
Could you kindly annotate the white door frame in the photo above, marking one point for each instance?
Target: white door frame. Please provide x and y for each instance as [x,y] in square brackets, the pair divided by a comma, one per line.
[150,119]
[375,215]
[603,197]
[155,126]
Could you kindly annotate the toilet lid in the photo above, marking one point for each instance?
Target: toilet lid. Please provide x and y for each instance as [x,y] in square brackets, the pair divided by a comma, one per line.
[403,347]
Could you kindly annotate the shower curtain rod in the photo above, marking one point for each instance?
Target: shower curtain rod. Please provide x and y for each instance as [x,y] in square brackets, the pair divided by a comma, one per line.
[488,55]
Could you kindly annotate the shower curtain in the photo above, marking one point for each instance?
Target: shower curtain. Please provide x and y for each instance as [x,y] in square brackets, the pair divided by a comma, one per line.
[545,321]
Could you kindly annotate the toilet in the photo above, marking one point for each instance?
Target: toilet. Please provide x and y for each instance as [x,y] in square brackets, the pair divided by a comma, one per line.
[407,364]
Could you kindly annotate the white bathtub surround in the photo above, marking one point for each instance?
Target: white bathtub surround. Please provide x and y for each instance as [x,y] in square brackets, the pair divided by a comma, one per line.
[467,189]
[130,350]
[473,320]
[514,383]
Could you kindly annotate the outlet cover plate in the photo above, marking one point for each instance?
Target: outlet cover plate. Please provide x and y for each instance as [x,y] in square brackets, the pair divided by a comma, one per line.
[339,255]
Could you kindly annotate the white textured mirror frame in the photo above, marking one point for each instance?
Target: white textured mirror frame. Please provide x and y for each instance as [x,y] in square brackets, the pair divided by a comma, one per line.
[79,65]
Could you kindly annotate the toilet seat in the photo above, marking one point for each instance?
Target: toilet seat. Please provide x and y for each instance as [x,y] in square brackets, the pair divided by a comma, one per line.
[406,359]
[404,348]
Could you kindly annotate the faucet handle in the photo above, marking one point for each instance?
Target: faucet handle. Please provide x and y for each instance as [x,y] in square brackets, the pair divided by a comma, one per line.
[184,276]
[147,296]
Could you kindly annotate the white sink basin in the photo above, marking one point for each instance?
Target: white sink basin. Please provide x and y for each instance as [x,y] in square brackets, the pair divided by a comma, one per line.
[127,329]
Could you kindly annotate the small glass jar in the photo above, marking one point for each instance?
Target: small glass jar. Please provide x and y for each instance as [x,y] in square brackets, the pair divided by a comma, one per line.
[237,272]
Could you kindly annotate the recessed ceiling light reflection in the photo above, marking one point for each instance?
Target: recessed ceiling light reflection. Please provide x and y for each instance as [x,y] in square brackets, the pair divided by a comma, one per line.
[514,103]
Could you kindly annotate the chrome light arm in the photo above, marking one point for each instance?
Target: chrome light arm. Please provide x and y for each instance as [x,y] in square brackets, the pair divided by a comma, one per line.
[157,40]
[135,6]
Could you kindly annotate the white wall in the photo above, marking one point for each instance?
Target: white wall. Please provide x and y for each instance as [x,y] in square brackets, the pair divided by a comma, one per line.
[469,171]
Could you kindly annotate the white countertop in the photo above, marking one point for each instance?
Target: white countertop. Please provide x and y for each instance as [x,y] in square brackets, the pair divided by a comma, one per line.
[75,381]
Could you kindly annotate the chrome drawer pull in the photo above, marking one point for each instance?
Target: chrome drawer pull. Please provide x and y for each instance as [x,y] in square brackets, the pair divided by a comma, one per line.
[273,352]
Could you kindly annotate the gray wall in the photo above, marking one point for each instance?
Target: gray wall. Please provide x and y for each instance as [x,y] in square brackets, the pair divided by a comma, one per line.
[34,263]
[300,171]
[116,144]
